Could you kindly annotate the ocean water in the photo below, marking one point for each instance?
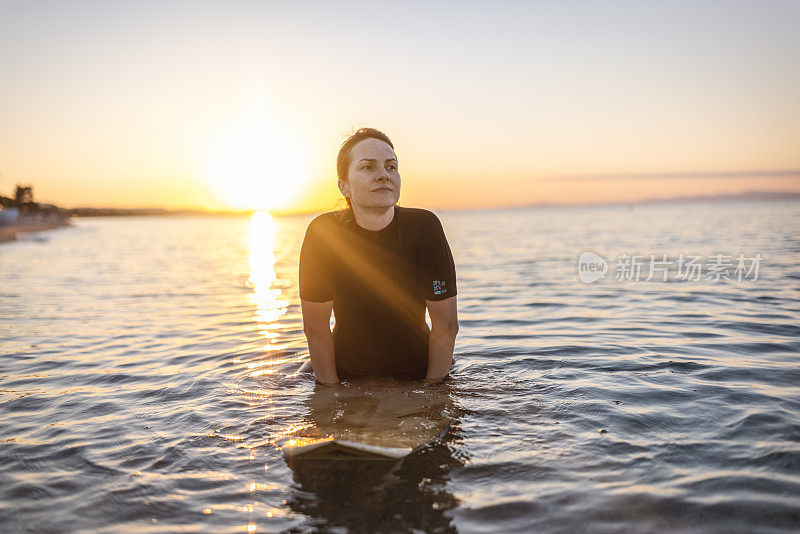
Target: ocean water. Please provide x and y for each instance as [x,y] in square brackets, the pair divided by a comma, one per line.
[148,374]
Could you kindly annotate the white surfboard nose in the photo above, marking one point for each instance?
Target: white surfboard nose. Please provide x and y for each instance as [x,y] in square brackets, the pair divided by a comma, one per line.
[338,449]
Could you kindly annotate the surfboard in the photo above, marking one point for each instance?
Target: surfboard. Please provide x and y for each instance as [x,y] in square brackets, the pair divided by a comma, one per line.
[331,448]
[370,420]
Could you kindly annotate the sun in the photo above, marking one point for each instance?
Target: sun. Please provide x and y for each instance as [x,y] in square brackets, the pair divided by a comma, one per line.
[256,163]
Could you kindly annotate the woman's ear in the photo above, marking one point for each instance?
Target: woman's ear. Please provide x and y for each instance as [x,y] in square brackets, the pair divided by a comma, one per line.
[344,188]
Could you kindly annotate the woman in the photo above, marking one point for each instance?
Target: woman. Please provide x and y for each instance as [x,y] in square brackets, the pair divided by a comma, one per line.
[378,266]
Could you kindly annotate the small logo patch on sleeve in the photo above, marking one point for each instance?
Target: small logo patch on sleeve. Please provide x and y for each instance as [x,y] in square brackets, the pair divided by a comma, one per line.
[439,287]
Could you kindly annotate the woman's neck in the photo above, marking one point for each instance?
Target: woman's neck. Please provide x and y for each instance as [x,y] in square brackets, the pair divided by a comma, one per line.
[373,219]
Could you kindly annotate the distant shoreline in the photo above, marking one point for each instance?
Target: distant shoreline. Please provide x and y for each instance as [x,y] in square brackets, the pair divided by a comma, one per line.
[747,196]
[9,232]
[134,212]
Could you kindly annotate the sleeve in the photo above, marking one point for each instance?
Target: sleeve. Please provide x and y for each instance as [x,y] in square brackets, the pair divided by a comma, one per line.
[436,266]
[316,273]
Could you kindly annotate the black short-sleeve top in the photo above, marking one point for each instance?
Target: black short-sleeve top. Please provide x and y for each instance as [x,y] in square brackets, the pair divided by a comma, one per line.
[378,282]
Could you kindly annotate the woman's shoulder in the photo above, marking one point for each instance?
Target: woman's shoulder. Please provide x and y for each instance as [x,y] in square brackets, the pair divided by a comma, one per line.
[329,218]
[419,215]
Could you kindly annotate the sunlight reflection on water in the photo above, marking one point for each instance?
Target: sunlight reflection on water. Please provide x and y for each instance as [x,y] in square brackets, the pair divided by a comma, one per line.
[269,306]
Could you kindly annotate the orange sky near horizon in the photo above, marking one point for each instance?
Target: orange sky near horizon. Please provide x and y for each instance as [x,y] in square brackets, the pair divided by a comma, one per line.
[160,105]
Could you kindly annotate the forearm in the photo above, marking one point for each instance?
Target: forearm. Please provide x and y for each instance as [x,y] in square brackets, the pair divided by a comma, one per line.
[441,344]
[320,347]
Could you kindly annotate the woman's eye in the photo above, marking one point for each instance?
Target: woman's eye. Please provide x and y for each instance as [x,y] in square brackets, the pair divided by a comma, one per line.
[393,167]
[366,167]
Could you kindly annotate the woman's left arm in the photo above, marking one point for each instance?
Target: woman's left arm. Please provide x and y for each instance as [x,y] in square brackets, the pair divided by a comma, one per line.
[444,327]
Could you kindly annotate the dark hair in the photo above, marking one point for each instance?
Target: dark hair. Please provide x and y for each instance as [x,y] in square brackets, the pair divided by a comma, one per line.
[343,159]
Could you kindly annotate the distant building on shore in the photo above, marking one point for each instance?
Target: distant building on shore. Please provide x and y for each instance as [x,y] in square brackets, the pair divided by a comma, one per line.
[8,215]
[23,210]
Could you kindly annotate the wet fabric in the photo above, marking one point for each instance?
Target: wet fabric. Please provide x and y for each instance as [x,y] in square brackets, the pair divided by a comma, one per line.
[378,282]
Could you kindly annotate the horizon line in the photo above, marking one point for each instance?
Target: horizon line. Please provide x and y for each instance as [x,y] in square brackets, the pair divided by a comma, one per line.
[672,175]
[767,195]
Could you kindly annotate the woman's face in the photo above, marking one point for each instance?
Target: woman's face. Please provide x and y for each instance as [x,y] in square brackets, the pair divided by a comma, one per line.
[373,180]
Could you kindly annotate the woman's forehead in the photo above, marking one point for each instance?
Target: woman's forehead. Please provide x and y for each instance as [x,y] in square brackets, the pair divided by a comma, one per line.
[372,149]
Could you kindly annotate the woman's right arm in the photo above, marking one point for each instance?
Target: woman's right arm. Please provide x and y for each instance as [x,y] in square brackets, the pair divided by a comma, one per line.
[317,327]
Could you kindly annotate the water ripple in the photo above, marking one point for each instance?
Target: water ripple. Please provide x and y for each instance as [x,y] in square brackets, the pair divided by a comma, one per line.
[139,393]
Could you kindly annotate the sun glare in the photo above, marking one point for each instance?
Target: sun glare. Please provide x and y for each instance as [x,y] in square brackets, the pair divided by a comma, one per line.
[257,164]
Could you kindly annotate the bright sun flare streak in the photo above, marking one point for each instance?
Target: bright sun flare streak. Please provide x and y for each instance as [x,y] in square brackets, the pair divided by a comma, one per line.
[269,306]
[257,164]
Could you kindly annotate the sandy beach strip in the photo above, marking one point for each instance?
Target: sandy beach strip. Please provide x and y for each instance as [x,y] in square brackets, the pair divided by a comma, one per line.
[9,232]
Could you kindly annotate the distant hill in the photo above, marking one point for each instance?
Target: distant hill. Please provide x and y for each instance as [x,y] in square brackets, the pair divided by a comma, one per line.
[729,197]
[747,196]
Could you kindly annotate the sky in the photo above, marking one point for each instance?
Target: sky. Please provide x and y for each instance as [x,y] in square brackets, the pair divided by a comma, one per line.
[243,105]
